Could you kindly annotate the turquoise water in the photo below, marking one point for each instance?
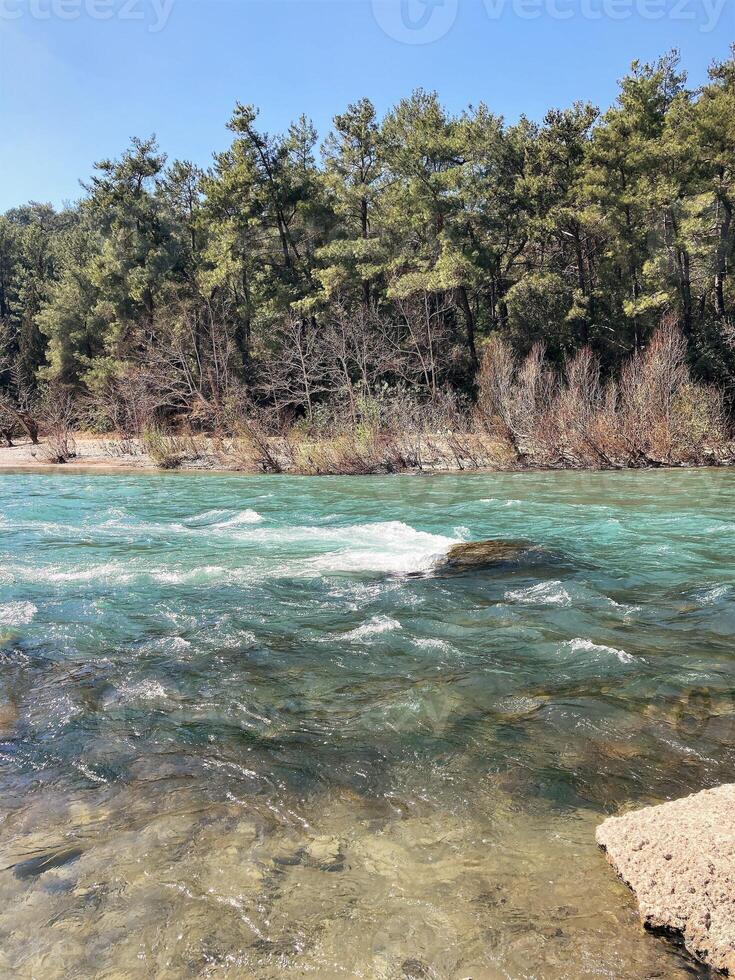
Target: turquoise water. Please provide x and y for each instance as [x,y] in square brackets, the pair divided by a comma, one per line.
[248,731]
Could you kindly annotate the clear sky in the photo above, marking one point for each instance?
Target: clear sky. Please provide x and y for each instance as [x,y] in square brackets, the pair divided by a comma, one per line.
[78,78]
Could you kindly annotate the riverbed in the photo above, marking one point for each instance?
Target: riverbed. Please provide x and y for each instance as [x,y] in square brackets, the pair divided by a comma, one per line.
[249,729]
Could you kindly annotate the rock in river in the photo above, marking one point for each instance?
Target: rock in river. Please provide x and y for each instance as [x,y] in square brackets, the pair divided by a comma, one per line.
[471,555]
[679,859]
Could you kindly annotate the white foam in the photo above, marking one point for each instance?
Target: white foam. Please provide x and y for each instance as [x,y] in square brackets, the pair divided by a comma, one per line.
[205,573]
[142,691]
[208,515]
[626,608]
[581,645]
[17,613]
[88,772]
[303,551]
[433,643]
[373,627]
[211,521]
[239,519]
[711,595]
[164,577]
[110,571]
[543,594]
[113,572]
[391,546]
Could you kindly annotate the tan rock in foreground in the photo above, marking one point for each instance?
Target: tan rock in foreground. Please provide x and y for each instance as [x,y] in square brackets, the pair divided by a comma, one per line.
[679,859]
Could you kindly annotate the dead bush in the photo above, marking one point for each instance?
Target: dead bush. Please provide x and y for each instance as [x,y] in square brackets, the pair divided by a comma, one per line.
[58,419]
[654,414]
[169,451]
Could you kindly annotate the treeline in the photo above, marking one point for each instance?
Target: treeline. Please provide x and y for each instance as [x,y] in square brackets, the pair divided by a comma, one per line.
[308,284]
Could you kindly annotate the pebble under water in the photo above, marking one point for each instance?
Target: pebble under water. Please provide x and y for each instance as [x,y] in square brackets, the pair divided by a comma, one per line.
[247,731]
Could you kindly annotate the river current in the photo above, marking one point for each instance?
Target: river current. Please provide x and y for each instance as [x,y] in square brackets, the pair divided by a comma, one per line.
[247,729]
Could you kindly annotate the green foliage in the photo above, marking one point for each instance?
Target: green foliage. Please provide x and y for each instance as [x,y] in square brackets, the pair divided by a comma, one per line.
[389,262]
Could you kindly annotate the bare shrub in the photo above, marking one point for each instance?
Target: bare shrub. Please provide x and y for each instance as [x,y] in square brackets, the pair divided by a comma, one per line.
[663,416]
[125,446]
[17,409]
[390,431]
[169,451]
[296,370]
[653,415]
[124,401]
[569,430]
[249,448]
[698,420]
[515,396]
[187,370]
[59,417]
[360,353]
[349,454]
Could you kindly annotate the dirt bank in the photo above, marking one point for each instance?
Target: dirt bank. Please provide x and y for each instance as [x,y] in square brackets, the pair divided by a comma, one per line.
[90,452]
[348,456]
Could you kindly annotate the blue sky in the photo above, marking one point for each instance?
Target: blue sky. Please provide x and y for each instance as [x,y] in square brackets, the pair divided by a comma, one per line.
[75,87]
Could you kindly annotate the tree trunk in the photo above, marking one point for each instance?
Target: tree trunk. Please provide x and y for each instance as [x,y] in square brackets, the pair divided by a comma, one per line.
[29,424]
[721,270]
[464,302]
[581,281]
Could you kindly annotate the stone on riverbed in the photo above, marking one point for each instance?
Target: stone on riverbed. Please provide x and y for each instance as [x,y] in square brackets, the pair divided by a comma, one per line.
[679,859]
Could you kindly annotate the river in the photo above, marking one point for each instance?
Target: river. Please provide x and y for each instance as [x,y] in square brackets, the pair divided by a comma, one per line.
[248,728]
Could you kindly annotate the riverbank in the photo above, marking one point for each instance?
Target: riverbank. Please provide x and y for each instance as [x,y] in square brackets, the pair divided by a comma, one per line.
[249,454]
[409,453]
[89,452]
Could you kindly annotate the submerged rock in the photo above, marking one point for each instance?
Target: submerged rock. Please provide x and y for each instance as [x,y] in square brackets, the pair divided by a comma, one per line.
[36,866]
[325,853]
[679,859]
[8,715]
[471,555]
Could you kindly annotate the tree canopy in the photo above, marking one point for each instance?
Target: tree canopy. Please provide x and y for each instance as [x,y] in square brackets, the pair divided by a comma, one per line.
[390,254]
